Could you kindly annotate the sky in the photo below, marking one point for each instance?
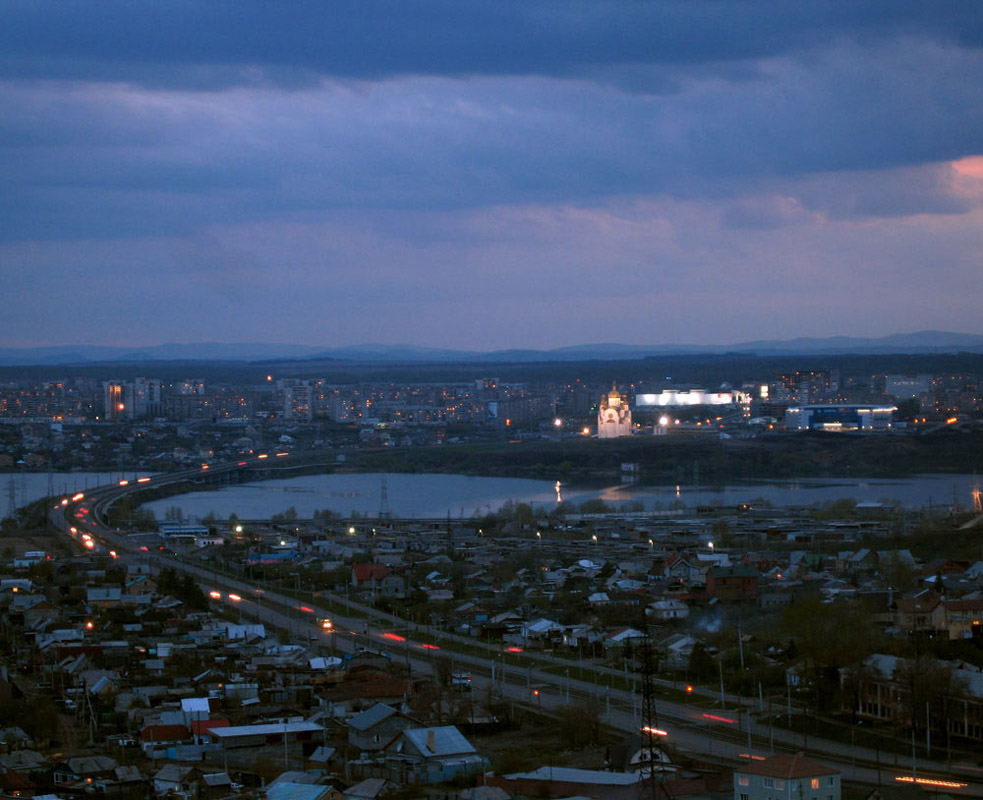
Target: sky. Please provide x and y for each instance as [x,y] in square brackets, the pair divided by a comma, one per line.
[488,174]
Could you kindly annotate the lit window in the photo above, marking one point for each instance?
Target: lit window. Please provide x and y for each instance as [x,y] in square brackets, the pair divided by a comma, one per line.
[742,780]
[815,783]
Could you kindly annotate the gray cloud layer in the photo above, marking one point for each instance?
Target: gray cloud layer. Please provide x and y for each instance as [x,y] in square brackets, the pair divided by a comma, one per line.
[420,154]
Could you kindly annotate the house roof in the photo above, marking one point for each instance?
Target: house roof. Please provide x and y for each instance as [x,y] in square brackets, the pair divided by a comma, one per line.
[625,633]
[286,790]
[174,772]
[369,788]
[734,572]
[447,741]
[200,726]
[368,572]
[575,775]
[165,733]
[371,716]
[91,765]
[788,766]
[265,729]
[195,705]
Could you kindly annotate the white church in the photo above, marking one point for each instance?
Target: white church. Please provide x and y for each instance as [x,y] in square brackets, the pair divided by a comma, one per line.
[613,416]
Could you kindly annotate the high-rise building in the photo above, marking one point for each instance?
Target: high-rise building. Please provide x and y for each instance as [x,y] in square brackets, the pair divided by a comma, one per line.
[147,398]
[298,401]
[117,400]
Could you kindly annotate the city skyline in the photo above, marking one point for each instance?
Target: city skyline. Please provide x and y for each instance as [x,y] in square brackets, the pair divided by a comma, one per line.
[489,176]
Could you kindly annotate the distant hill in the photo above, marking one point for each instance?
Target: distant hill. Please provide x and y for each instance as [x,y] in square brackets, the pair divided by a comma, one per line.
[922,342]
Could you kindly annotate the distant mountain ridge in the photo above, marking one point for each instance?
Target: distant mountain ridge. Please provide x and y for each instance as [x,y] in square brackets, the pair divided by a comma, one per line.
[921,342]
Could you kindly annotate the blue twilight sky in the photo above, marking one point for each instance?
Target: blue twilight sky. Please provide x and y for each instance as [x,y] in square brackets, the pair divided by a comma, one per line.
[472,174]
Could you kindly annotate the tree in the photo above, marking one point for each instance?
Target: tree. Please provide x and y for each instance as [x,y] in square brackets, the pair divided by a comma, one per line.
[932,692]
[580,723]
[829,636]
[595,506]
[897,574]
[702,667]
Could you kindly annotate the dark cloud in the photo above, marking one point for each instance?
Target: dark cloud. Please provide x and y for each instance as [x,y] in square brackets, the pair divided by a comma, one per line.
[86,159]
[188,43]
[486,162]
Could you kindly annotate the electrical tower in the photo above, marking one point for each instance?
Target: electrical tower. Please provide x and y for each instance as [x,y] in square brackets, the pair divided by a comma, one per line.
[652,755]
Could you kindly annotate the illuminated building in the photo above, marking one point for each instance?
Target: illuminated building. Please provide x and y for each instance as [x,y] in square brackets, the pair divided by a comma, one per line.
[683,397]
[613,416]
[117,400]
[862,417]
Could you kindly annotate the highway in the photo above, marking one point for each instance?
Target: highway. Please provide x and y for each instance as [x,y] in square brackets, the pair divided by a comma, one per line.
[541,682]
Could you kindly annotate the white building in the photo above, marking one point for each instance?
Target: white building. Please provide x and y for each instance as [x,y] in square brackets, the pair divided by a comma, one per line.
[613,416]
[679,398]
[786,777]
[860,417]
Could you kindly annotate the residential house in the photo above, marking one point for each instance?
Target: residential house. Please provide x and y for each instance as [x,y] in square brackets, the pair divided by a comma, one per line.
[786,777]
[375,727]
[378,579]
[432,755]
[964,618]
[863,562]
[103,596]
[667,609]
[178,780]
[83,770]
[924,613]
[732,583]
[679,568]
[155,738]
[243,744]
[676,650]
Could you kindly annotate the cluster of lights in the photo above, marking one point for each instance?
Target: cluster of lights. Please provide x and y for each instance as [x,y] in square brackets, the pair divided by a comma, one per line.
[931,782]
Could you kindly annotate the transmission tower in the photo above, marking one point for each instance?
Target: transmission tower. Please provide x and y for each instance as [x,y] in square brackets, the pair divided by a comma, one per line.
[652,735]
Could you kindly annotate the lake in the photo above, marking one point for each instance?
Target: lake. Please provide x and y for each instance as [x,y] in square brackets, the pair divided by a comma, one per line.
[460,496]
